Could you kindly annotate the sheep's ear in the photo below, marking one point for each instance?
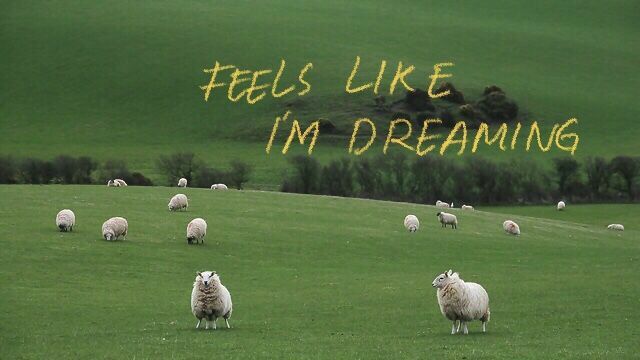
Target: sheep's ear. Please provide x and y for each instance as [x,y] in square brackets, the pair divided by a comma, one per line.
[198,273]
[449,272]
[213,273]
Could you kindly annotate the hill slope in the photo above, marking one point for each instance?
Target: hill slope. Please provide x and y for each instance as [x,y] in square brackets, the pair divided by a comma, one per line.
[88,78]
[310,277]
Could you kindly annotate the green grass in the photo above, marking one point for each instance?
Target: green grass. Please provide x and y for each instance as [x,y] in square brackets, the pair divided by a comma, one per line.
[311,277]
[120,79]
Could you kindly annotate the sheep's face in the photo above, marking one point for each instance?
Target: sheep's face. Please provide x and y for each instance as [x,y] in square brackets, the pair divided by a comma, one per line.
[413,228]
[441,280]
[109,235]
[208,277]
[170,207]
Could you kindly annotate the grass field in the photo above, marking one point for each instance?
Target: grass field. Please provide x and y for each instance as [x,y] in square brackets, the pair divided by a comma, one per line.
[120,78]
[311,277]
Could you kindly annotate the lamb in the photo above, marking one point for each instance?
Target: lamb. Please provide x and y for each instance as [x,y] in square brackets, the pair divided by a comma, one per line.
[511,227]
[411,223]
[196,230]
[461,301]
[182,182]
[219,187]
[65,220]
[561,205]
[210,299]
[618,227]
[112,183]
[120,182]
[447,219]
[467,207]
[443,204]
[178,202]
[115,227]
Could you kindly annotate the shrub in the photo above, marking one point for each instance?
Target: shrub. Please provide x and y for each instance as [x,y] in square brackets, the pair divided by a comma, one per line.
[113,169]
[628,169]
[304,177]
[206,176]
[598,176]
[418,100]
[138,179]
[496,107]
[179,165]
[454,96]
[35,171]
[337,178]
[239,174]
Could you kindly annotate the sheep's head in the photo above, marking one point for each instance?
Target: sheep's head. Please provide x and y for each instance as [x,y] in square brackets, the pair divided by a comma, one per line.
[170,205]
[443,279]
[413,228]
[109,235]
[208,277]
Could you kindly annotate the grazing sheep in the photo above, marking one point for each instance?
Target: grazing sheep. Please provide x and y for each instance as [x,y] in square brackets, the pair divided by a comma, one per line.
[65,220]
[467,207]
[411,223]
[196,230]
[447,219]
[112,183]
[120,182]
[219,187]
[618,227]
[115,227]
[210,299]
[511,227]
[461,301]
[561,205]
[182,182]
[443,204]
[178,202]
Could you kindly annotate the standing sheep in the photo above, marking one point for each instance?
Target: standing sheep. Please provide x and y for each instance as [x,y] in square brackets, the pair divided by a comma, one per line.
[219,187]
[618,227]
[443,204]
[561,205]
[511,227]
[115,227]
[65,220]
[210,299]
[196,230]
[411,223]
[182,182]
[447,219]
[120,182]
[467,207]
[178,202]
[461,301]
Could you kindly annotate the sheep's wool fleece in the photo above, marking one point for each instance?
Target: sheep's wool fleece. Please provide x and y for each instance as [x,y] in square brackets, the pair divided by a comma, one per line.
[618,227]
[442,204]
[210,302]
[178,201]
[411,220]
[197,228]
[182,182]
[466,301]
[66,218]
[511,227]
[118,225]
[447,218]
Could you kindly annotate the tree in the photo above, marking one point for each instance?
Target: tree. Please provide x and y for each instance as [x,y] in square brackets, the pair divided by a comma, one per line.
[566,170]
[178,165]
[598,175]
[239,174]
[306,171]
[628,168]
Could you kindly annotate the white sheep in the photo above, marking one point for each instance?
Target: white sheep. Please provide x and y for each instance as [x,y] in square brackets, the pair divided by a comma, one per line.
[120,182]
[443,204]
[115,227]
[210,299]
[618,227]
[561,205]
[178,202]
[182,182]
[196,230]
[467,207]
[66,220]
[219,187]
[511,227]
[411,223]
[112,183]
[447,219]
[461,301]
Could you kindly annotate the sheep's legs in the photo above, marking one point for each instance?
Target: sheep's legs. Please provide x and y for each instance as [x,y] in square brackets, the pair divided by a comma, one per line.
[464,328]
[459,323]
[214,323]
[484,326]
[453,328]
[226,321]
[198,324]
[207,325]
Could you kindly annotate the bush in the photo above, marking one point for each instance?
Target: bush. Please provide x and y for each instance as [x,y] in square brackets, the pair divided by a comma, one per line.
[239,174]
[454,96]
[304,177]
[206,176]
[418,100]
[113,169]
[35,171]
[179,165]
[137,179]
[628,169]
[496,107]
[8,170]
[337,178]
[598,176]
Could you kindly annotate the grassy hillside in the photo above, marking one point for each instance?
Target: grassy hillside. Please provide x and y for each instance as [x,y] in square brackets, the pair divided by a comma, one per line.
[311,277]
[120,78]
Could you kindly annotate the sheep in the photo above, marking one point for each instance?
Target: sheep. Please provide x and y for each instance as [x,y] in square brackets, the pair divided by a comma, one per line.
[65,220]
[461,301]
[112,183]
[182,182]
[467,207]
[210,299]
[511,227]
[561,205]
[115,227]
[178,202]
[443,204]
[618,227]
[196,230]
[411,223]
[219,187]
[447,219]
[120,182]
